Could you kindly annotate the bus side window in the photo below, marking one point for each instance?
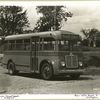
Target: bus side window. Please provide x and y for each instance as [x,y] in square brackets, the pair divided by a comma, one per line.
[19,45]
[63,45]
[9,46]
[33,46]
[48,44]
[27,44]
[6,46]
[12,45]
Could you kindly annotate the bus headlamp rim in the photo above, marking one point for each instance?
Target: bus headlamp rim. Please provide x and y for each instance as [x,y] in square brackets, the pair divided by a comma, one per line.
[63,63]
[80,63]
[53,62]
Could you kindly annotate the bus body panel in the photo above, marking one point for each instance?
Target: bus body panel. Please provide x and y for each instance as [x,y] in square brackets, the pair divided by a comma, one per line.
[54,62]
[55,58]
[20,59]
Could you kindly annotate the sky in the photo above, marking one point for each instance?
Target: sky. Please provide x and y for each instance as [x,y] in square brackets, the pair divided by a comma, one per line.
[84,17]
[86,14]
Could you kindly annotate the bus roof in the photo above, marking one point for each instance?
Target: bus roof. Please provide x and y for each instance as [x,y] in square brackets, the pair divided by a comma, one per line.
[53,34]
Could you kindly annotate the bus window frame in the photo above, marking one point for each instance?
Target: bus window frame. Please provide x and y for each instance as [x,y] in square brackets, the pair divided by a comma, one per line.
[13,46]
[63,40]
[41,42]
[27,46]
[70,45]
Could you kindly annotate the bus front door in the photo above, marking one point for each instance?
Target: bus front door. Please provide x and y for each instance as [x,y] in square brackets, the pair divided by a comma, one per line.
[34,54]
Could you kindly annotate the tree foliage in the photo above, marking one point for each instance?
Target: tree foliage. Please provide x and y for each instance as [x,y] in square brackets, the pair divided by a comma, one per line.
[91,36]
[12,20]
[52,17]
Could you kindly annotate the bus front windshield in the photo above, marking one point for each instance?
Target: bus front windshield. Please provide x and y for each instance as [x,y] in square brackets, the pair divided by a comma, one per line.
[65,45]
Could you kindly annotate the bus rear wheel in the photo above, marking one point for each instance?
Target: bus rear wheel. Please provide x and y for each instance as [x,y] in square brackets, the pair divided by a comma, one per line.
[47,71]
[11,68]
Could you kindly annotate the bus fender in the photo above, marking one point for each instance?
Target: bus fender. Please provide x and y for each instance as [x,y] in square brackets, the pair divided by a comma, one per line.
[45,61]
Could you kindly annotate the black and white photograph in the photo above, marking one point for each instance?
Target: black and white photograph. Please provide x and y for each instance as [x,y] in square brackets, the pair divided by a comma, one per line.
[50,47]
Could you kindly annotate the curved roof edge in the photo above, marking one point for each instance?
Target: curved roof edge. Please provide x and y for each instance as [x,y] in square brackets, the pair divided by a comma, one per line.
[54,34]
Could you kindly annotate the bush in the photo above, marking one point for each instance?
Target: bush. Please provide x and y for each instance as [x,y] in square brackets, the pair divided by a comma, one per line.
[86,48]
[92,58]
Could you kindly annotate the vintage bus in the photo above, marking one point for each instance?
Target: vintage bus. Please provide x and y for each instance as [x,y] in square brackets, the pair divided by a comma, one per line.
[47,53]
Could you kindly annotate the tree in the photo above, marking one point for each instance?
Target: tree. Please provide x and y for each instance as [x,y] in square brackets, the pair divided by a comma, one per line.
[12,20]
[92,35]
[52,17]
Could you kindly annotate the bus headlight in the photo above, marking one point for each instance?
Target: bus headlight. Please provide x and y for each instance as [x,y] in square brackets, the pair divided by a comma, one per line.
[53,62]
[63,63]
[80,63]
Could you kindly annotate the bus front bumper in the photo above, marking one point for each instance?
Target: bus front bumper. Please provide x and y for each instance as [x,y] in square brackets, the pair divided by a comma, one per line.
[72,71]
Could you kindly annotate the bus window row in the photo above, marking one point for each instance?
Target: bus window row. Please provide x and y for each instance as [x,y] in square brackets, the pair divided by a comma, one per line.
[40,45]
[20,45]
[17,45]
[45,44]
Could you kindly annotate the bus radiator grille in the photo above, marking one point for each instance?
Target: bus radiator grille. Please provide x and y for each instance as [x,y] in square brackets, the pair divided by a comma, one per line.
[71,61]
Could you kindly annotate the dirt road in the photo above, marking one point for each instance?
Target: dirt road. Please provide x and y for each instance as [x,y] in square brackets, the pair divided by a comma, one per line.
[32,84]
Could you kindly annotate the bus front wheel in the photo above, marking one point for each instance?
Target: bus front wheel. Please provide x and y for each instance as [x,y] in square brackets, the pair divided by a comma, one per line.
[47,71]
[11,68]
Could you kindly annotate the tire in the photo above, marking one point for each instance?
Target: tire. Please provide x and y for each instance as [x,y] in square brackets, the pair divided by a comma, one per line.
[75,76]
[11,68]
[47,71]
